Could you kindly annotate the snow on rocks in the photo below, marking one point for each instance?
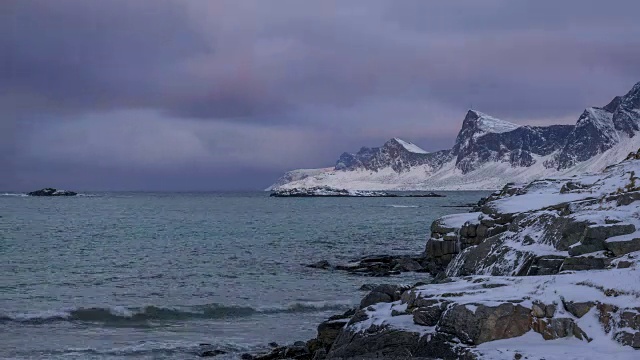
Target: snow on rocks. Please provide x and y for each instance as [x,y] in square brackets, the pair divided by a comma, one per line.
[488,153]
[328,192]
[578,236]
[410,147]
[463,317]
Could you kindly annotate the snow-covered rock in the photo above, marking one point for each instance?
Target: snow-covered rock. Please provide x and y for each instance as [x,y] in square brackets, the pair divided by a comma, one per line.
[325,191]
[579,236]
[51,192]
[488,153]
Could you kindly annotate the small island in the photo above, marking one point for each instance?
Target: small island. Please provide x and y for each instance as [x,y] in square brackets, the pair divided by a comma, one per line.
[326,191]
[51,192]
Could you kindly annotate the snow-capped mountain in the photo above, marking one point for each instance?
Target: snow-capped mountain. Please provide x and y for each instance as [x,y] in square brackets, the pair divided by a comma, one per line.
[488,153]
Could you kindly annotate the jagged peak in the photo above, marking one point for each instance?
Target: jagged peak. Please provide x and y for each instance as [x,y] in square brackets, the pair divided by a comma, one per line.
[598,117]
[487,123]
[613,104]
[407,145]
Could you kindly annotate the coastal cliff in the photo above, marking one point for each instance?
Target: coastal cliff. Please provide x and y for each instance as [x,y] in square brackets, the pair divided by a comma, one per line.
[548,269]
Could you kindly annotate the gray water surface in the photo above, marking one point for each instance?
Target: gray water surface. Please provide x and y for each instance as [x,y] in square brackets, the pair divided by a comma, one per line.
[153,275]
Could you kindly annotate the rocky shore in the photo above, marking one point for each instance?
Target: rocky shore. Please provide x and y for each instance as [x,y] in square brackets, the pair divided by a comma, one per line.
[545,270]
[326,191]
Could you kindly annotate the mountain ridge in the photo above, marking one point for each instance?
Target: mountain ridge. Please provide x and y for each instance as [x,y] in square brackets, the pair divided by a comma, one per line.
[488,153]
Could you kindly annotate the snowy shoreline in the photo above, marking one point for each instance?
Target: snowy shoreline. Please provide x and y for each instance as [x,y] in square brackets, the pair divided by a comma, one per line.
[548,269]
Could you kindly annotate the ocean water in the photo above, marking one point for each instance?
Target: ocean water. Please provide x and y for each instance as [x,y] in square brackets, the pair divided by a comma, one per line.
[154,275]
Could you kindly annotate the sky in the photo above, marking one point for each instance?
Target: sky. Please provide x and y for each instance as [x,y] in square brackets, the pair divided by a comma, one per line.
[180,95]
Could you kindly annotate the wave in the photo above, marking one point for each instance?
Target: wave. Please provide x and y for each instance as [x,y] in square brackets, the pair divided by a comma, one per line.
[142,315]
[403,206]
[25,195]
[153,349]
[14,194]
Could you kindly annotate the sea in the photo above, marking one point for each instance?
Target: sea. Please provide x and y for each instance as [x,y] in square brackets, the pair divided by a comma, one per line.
[157,275]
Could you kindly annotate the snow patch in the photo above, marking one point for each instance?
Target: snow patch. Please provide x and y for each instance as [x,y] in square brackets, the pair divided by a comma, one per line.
[410,147]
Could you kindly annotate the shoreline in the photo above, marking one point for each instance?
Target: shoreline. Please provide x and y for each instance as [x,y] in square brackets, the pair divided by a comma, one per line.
[531,264]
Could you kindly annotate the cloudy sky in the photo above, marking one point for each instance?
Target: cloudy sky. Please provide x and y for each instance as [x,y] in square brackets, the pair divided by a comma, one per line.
[228,94]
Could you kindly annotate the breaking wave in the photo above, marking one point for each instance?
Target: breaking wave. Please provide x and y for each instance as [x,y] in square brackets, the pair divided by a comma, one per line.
[14,194]
[140,315]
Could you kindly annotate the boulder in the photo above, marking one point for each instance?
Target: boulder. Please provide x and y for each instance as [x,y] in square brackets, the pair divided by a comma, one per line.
[578,309]
[407,264]
[556,328]
[484,323]
[374,297]
[619,248]
[429,313]
[383,293]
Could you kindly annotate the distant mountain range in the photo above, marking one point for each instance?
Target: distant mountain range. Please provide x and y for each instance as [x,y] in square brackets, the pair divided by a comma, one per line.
[488,153]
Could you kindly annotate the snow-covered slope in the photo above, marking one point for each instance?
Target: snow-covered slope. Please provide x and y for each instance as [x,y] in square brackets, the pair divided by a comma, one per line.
[410,147]
[488,153]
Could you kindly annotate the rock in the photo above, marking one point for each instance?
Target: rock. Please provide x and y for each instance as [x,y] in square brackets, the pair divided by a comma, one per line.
[619,248]
[326,191]
[627,338]
[486,323]
[247,357]
[359,316]
[322,264]
[273,344]
[298,351]
[51,192]
[545,265]
[578,309]
[550,310]
[211,353]
[378,343]
[556,328]
[629,325]
[594,237]
[481,231]
[538,310]
[429,315]
[382,343]
[386,259]
[581,263]
[367,287]
[381,265]
[383,293]
[346,315]
[429,194]
[374,297]
[320,354]
[208,350]
[407,264]
[328,331]
[606,315]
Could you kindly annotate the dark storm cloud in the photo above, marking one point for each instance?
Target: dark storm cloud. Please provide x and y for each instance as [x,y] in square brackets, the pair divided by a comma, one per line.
[268,85]
[91,55]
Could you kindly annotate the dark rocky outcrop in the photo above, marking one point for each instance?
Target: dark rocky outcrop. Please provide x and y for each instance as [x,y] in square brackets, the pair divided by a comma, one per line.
[51,192]
[326,191]
[379,265]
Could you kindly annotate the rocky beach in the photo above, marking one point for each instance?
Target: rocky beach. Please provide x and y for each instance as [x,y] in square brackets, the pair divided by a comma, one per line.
[544,270]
